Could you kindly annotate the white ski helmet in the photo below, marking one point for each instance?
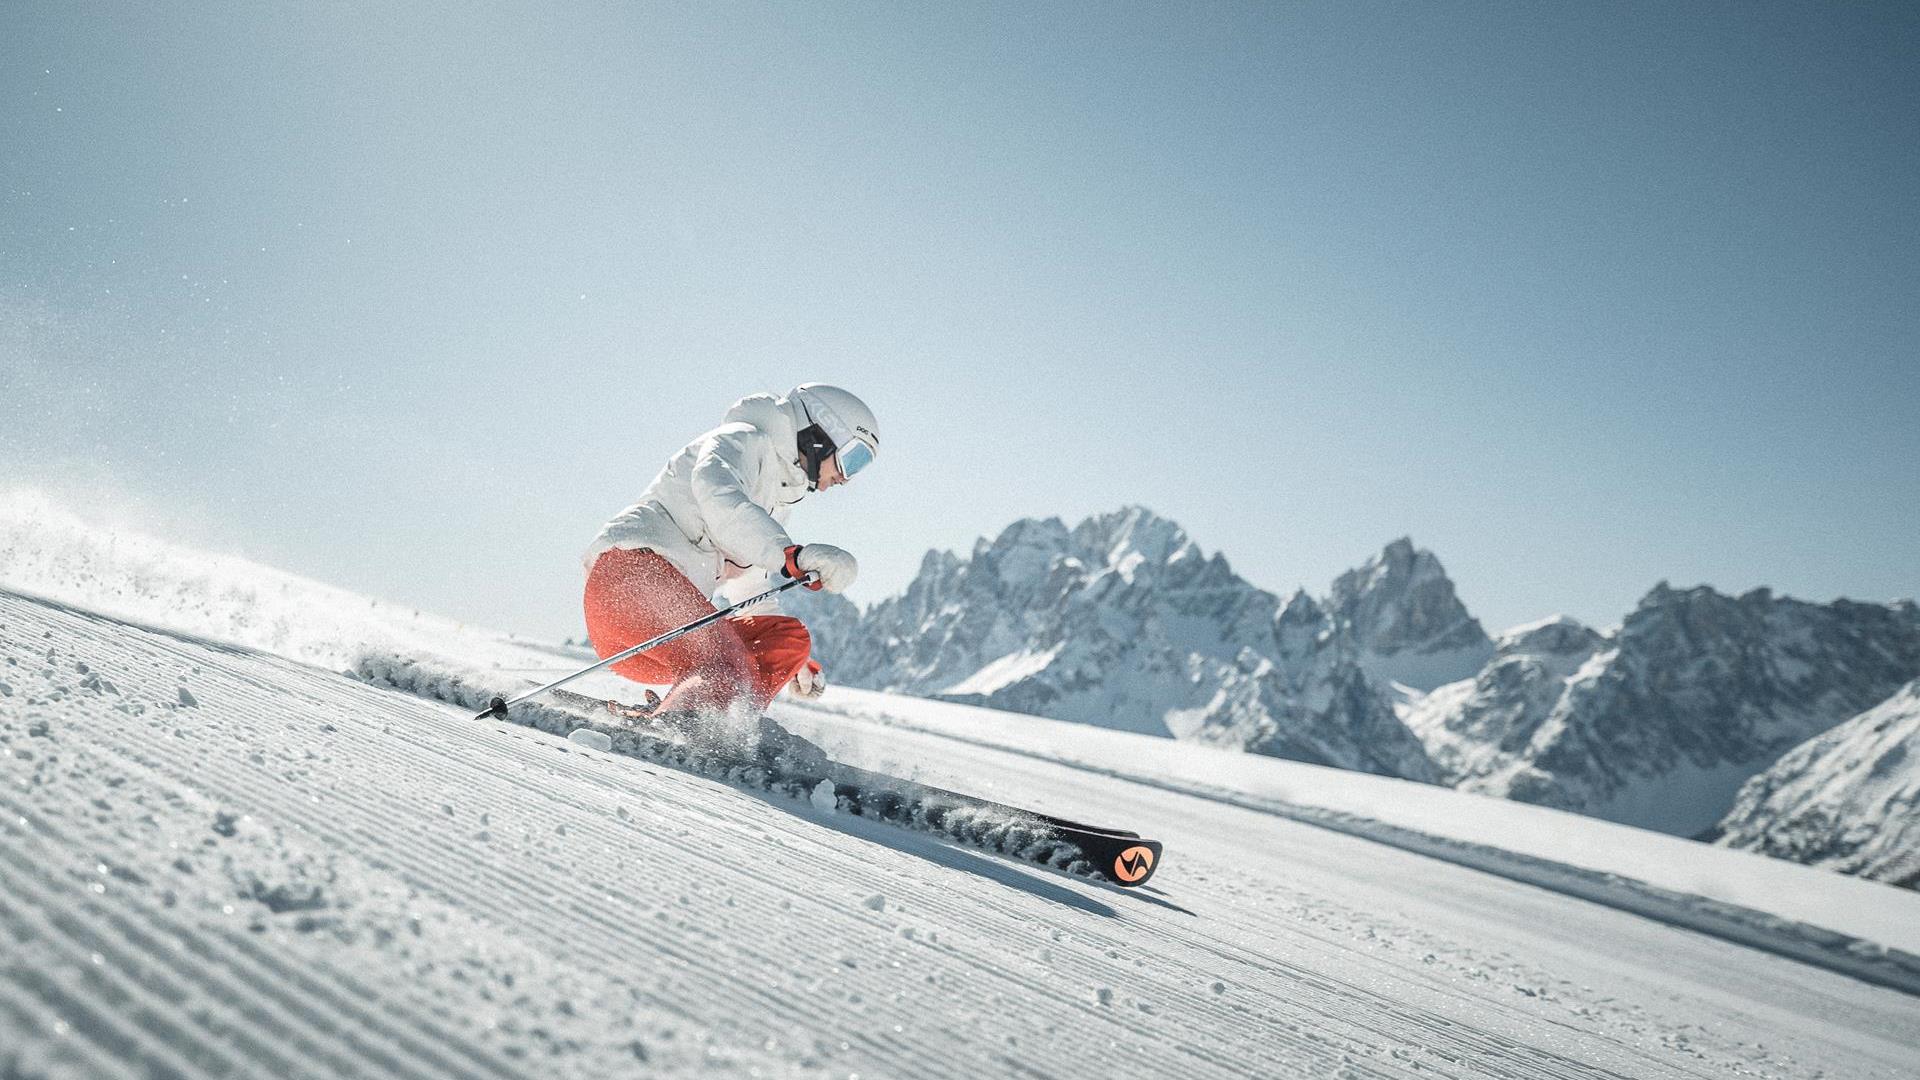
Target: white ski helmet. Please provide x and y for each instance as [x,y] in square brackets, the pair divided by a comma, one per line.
[834,422]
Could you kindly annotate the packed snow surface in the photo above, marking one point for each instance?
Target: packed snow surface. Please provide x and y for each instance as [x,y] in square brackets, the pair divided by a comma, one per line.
[230,860]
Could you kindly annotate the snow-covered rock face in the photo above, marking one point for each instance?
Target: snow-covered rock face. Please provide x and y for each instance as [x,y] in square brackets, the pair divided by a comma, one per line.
[1122,621]
[1405,623]
[1659,726]
[1848,799]
[1473,726]
[1331,713]
[1114,621]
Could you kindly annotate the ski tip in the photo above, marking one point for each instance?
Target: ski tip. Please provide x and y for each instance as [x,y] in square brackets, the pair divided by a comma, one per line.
[1124,859]
[495,708]
[1132,866]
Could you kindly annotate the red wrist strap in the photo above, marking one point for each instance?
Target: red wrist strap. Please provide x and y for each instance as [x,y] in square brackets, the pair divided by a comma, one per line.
[792,569]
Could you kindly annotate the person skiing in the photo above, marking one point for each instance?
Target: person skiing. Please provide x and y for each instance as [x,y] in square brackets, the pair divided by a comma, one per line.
[714,522]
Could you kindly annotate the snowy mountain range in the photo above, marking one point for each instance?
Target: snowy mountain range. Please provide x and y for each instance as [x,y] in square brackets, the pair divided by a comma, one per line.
[1660,723]
[1122,621]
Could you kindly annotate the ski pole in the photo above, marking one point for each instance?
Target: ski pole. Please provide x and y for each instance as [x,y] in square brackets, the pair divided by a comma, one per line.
[498,706]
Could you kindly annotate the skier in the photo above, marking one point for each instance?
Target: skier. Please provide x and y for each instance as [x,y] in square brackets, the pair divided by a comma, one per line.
[712,522]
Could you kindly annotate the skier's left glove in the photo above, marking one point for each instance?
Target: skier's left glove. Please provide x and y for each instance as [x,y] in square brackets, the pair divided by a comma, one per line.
[832,568]
[808,681]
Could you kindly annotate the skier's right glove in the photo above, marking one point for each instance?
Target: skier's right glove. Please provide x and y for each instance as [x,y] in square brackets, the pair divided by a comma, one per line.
[808,682]
[835,568]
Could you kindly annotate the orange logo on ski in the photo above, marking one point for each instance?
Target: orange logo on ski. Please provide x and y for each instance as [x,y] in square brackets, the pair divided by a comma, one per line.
[1133,864]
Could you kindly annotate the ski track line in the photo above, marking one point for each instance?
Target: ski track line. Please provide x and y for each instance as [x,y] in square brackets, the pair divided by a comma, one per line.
[101,1005]
[1893,1055]
[342,999]
[602,920]
[22,1012]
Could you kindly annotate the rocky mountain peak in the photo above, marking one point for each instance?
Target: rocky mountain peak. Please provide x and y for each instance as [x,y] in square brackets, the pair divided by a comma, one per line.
[1131,536]
[1121,620]
[1025,551]
[1400,609]
[1299,626]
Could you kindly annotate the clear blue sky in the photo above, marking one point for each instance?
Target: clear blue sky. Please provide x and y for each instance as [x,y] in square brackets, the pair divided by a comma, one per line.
[411,297]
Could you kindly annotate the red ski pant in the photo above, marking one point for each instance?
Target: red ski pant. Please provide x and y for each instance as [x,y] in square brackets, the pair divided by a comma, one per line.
[635,595]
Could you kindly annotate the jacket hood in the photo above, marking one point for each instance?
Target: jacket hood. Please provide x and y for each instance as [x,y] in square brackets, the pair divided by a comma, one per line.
[770,413]
[773,415]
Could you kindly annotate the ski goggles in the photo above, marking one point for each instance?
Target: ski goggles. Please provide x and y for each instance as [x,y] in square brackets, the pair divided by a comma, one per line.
[854,456]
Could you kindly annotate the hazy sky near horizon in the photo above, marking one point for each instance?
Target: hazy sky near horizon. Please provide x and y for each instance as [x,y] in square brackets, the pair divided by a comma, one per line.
[411,297]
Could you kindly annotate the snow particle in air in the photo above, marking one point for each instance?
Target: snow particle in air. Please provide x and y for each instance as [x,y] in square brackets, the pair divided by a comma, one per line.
[822,797]
[591,739]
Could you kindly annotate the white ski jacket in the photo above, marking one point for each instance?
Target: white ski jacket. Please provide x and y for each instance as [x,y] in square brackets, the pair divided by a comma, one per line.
[718,510]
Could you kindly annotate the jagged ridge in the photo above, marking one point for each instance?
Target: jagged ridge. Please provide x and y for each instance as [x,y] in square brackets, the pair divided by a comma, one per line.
[1123,621]
[1659,725]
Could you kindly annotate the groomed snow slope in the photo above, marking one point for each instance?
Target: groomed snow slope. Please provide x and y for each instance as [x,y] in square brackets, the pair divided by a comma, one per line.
[220,861]
[284,870]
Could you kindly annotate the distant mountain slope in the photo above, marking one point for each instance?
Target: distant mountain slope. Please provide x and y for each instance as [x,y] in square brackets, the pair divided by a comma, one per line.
[1661,724]
[1848,799]
[1474,726]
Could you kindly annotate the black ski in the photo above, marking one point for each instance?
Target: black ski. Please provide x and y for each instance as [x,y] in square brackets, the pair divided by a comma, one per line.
[1122,857]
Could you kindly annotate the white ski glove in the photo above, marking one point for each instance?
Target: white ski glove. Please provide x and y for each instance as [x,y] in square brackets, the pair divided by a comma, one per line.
[835,567]
[808,681]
